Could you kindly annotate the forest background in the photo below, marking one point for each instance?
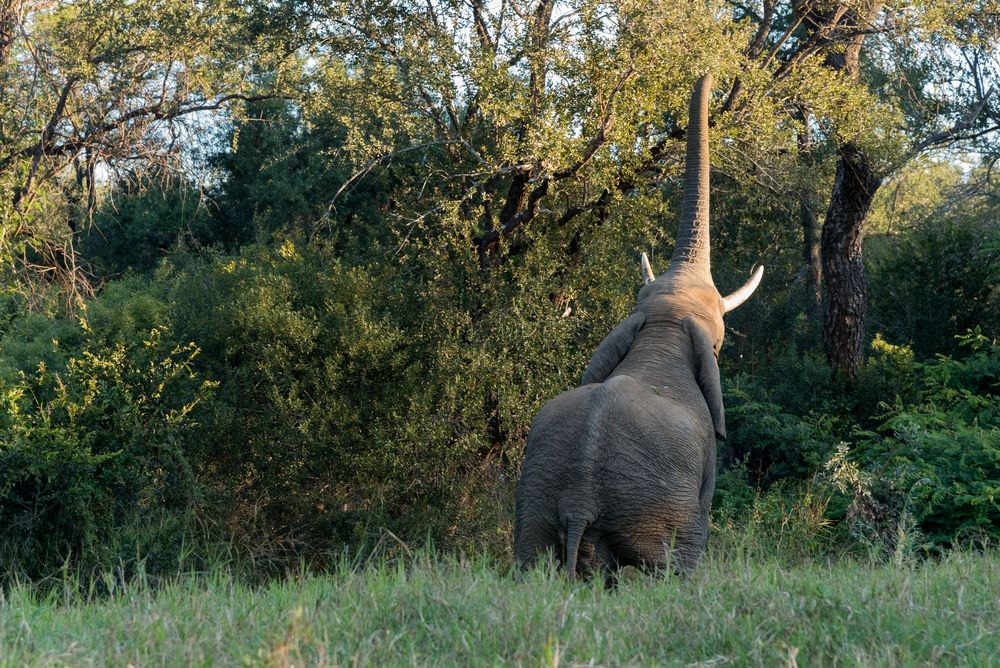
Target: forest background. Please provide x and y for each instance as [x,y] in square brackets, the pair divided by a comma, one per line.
[294,276]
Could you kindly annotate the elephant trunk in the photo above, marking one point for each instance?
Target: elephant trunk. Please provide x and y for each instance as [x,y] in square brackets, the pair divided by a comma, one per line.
[691,254]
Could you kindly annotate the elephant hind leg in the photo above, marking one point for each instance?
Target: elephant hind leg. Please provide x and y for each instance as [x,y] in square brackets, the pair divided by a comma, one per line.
[533,539]
[676,551]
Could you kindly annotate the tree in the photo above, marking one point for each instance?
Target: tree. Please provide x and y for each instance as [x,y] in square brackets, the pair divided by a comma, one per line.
[95,88]
[923,47]
[540,120]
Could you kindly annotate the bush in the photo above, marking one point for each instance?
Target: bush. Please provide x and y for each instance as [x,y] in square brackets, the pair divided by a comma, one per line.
[352,398]
[398,393]
[319,389]
[940,458]
[137,229]
[95,445]
[887,376]
[777,430]
[936,281]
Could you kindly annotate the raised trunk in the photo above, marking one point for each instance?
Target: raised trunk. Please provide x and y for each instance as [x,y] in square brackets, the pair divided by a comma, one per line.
[843,263]
[691,253]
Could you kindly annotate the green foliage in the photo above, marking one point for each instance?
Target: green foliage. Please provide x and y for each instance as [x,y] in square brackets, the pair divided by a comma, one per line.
[775,444]
[937,279]
[316,384]
[888,375]
[792,519]
[33,339]
[94,444]
[277,172]
[928,474]
[136,229]
[109,86]
[402,264]
[940,458]
[778,432]
[352,396]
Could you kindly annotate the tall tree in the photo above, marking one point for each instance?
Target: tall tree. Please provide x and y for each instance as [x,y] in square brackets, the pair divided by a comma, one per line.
[854,188]
[535,119]
[98,87]
[930,66]
[965,117]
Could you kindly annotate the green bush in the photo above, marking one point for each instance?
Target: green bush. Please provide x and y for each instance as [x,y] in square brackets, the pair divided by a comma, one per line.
[95,445]
[888,375]
[936,281]
[396,392]
[317,386]
[774,444]
[779,431]
[139,227]
[940,458]
[352,398]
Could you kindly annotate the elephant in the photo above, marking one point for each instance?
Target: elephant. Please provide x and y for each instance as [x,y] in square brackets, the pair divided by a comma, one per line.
[620,470]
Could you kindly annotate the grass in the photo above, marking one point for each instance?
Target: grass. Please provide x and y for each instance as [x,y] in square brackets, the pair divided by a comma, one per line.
[735,610]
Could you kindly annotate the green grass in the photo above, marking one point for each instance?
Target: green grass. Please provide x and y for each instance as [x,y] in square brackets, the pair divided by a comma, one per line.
[432,611]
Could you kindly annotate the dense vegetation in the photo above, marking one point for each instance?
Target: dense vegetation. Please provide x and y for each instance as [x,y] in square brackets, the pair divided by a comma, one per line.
[316,288]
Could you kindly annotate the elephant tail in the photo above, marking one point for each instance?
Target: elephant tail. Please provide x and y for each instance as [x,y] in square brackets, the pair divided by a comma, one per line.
[575,526]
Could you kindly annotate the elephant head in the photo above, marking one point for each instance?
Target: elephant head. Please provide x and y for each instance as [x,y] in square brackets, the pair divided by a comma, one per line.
[621,470]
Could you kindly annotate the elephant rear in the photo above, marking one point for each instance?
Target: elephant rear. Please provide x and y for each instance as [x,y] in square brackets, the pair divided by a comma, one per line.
[613,461]
[553,466]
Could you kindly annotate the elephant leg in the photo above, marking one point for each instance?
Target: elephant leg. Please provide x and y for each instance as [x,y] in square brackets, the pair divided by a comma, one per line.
[535,538]
[705,495]
[676,550]
[595,557]
[606,562]
[585,557]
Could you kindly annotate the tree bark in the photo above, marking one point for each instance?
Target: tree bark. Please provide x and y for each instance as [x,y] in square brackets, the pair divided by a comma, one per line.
[811,265]
[853,191]
[10,15]
[843,261]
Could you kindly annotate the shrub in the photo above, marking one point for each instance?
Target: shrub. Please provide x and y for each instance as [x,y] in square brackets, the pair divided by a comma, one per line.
[778,430]
[350,398]
[940,458]
[138,228]
[94,445]
[937,280]
[888,375]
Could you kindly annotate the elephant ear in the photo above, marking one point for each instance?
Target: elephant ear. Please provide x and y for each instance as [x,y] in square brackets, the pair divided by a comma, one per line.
[706,372]
[612,349]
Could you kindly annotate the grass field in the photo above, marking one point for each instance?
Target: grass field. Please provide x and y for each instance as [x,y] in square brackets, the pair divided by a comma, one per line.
[431,611]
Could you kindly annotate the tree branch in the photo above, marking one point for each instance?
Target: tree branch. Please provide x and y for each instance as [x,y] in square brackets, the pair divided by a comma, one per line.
[954,133]
[45,147]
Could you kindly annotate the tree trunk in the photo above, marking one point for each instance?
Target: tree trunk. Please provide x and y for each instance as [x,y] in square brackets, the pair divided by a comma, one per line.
[10,12]
[811,265]
[843,263]
[853,191]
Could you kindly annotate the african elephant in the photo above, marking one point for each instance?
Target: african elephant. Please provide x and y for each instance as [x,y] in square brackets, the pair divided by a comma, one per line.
[621,470]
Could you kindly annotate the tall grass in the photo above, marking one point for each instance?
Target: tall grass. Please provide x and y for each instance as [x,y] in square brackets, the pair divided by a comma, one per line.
[423,609]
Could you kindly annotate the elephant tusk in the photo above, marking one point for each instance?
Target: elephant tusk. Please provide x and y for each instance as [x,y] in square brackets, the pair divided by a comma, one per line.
[647,271]
[734,300]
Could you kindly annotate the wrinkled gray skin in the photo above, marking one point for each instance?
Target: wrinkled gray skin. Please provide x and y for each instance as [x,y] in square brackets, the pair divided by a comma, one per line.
[621,470]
